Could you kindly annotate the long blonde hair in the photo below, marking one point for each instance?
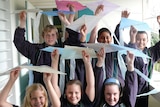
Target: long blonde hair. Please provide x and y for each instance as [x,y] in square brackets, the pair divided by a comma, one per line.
[29,90]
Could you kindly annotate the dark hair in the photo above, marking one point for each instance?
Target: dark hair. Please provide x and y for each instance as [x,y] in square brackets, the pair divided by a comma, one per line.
[74,81]
[111,81]
[142,32]
[103,30]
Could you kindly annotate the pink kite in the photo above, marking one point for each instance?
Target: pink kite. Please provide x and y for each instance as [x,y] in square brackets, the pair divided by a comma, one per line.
[63,5]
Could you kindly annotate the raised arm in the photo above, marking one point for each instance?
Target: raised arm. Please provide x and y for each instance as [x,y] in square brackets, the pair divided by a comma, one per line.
[71,16]
[5,91]
[99,9]
[54,64]
[124,14]
[90,80]
[22,17]
[63,17]
[131,82]
[51,81]
[23,46]
[99,76]
[83,32]
[101,57]
[92,38]
[54,98]
[133,33]
[130,61]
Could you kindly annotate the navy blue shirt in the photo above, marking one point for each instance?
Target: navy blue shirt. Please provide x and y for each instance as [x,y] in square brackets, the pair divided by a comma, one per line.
[32,51]
[129,91]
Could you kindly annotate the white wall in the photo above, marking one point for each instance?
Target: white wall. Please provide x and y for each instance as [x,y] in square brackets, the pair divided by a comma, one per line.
[16,5]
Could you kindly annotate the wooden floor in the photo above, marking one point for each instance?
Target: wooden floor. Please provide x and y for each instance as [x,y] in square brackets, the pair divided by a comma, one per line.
[153,102]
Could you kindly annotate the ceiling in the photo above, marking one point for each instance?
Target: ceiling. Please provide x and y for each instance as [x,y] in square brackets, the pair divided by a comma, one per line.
[49,4]
[41,4]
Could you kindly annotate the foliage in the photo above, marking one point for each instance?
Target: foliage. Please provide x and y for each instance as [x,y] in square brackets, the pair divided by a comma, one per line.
[157,66]
[154,40]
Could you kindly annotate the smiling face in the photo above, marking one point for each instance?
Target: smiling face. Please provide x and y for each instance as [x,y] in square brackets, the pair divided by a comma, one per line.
[50,37]
[141,40]
[104,36]
[35,96]
[37,99]
[112,94]
[50,34]
[73,93]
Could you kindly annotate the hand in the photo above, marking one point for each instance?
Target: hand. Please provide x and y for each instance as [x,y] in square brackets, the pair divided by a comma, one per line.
[14,73]
[133,33]
[83,32]
[71,16]
[47,77]
[130,61]
[55,56]
[99,9]
[63,18]
[71,7]
[158,19]
[86,57]
[101,57]
[125,14]
[22,17]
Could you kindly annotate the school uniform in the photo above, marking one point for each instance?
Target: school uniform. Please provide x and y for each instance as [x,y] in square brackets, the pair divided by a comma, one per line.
[146,67]
[32,51]
[73,38]
[98,73]
[15,106]
[111,67]
[129,94]
[80,75]
[37,57]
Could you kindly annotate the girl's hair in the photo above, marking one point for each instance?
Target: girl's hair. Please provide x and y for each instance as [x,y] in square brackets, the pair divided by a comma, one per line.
[110,81]
[77,82]
[103,30]
[113,81]
[48,28]
[30,90]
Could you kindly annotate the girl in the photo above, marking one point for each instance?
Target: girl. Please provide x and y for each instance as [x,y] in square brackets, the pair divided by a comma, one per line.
[139,40]
[111,89]
[36,94]
[74,94]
